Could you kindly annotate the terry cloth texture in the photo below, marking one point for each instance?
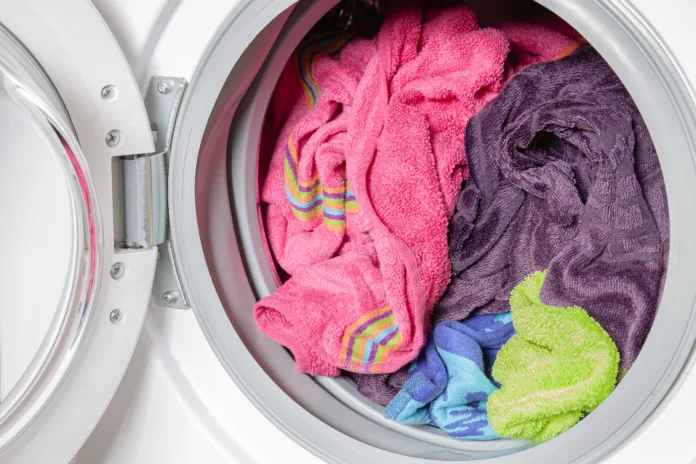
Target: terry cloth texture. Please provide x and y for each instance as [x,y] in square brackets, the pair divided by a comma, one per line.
[449,384]
[532,42]
[560,365]
[363,182]
[562,175]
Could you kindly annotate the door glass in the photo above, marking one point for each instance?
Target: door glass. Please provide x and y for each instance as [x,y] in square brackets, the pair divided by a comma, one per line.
[50,241]
[36,239]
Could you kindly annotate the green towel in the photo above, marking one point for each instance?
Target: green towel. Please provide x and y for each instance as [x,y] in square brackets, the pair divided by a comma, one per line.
[559,366]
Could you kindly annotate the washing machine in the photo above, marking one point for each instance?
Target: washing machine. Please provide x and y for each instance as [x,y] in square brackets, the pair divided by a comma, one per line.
[132,251]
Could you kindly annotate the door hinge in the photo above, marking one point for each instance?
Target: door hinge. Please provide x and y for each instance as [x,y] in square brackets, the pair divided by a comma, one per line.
[145,206]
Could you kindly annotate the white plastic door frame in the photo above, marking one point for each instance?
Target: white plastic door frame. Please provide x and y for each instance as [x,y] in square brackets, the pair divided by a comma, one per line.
[80,56]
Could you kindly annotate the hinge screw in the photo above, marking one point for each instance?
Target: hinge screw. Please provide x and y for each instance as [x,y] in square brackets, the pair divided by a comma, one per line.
[116,316]
[163,87]
[113,138]
[170,298]
[118,270]
[108,93]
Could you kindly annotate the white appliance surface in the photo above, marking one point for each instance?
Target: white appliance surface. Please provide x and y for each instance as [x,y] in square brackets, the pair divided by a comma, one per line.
[177,404]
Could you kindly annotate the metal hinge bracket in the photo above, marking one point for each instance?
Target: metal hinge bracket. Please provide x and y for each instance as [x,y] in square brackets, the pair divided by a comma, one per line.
[145,207]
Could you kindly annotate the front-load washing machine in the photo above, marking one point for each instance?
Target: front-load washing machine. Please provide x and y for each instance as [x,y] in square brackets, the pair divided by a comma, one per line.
[132,252]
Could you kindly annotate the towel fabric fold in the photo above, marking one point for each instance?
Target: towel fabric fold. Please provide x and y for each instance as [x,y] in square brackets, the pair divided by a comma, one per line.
[530,42]
[363,181]
[560,365]
[562,175]
[449,384]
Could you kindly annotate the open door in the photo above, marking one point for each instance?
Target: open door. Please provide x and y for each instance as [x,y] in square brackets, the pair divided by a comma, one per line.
[72,295]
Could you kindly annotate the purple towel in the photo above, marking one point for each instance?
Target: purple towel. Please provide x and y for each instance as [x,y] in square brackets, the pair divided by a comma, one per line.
[380,388]
[564,176]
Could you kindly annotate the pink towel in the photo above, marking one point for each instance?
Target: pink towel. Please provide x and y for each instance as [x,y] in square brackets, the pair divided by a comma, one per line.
[364,179]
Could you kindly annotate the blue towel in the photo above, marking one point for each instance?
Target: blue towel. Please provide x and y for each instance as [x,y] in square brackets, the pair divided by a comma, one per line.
[448,385]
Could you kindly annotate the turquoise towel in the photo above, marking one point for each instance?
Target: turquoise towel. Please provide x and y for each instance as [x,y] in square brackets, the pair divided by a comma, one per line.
[449,384]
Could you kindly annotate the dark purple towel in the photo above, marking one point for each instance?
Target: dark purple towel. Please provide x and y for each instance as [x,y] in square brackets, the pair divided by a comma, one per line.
[381,388]
[562,175]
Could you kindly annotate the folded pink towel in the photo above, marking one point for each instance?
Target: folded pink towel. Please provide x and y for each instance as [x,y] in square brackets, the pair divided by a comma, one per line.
[363,181]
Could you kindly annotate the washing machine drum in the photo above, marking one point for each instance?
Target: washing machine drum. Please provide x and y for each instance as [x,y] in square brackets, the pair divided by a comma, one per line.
[226,267]
[94,199]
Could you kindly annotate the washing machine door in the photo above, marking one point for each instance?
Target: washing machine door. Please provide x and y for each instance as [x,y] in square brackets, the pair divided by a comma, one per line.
[73,290]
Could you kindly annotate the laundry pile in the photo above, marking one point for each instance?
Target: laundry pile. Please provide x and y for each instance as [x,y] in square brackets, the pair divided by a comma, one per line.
[471,222]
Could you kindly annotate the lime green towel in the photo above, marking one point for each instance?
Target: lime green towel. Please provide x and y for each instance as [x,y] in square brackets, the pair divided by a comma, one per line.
[559,366]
